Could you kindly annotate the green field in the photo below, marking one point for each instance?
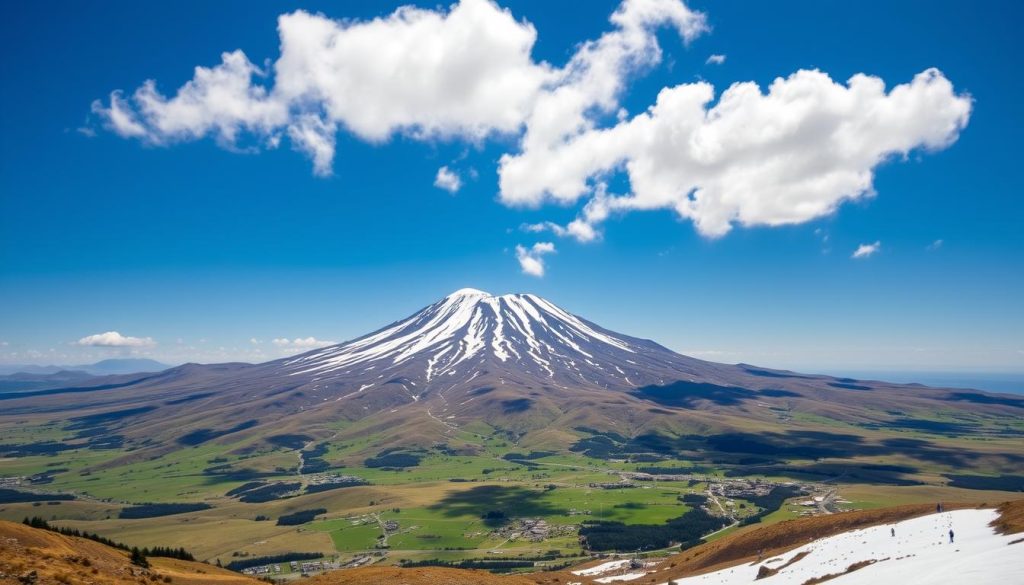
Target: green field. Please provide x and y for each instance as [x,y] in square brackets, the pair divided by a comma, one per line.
[450,505]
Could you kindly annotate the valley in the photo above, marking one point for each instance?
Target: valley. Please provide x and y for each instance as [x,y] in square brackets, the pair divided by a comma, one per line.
[485,432]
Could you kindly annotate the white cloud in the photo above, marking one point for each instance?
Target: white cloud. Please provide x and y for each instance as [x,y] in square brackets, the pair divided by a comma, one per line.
[934,245]
[782,157]
[426,73]
[254,341]
[785,155]
[466,72]
[448,180]
[530,259]
[866,250]
[715,60]
[115,339]
[578,229]
[301,343]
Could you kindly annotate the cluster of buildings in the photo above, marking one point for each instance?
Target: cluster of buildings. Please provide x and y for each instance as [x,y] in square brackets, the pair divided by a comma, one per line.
[313,566]
[741,488]
[624,484]
[263,570]
[10,482]
[304,567]
[534,530]
[333,478]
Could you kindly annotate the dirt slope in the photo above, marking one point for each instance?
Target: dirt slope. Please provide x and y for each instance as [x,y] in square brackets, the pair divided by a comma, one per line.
[65,560]
[1011,518]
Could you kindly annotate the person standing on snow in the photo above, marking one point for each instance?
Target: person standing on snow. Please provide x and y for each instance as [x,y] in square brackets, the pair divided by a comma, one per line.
[950,536]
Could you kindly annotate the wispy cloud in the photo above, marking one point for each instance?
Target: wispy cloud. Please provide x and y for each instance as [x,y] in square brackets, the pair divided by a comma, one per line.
[866,250]
[531,259]
[715,60]
[301,343]
[934,245]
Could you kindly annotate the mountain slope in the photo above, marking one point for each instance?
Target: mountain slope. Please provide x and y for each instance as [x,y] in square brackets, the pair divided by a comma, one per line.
[31,555]
[986,550]
[525,368]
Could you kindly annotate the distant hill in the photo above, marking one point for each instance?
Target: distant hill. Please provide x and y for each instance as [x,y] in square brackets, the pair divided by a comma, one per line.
[29,378]
[100,368]
[121,366]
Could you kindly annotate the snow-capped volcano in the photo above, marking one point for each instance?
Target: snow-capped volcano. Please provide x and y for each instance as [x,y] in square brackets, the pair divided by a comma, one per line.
[513,364]
[471,332]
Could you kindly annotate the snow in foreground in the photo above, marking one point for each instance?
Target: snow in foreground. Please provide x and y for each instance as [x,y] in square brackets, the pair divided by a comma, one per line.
[920,553]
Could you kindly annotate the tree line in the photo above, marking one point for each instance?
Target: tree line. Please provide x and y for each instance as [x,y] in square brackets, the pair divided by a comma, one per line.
[138,555]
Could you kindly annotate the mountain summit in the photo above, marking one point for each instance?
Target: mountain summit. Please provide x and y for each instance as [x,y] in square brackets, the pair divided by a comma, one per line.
[470,333]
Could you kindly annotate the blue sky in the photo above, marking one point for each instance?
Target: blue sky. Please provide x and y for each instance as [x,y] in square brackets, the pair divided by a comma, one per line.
[203,250]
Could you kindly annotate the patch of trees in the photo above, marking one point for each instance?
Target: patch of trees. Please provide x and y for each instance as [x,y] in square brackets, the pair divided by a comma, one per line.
[656,470]
[31,449]
[1007,483]
[157,551]
[226,472]
[687,530]
[495,566]
[300,517]
[393,460]
[105,442]
[770,502]
[693,500]
[200,436]
[323,487]
[9,496]
[244,488]
[270,560]
[494,517]
[312,459]
[289,441]
[256,492]
[610,445]
[598,447]
[156,510]
[527,456]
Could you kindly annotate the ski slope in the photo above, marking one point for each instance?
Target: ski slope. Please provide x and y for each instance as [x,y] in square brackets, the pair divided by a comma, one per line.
[920,553]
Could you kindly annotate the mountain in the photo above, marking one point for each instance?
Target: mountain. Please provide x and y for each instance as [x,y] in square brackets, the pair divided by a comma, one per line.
[40,378]
[100,368]
[521,367]
[522,339]
[121,366]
